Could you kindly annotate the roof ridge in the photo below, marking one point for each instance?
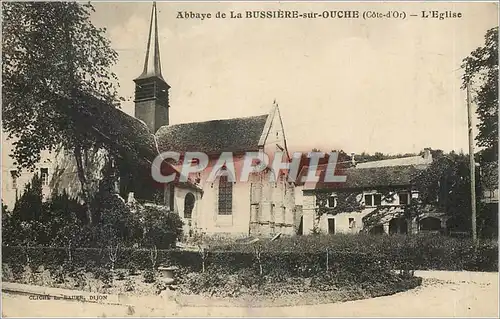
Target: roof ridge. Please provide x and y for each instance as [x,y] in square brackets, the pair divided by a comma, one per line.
[219,120]
[208,121]
[389,159]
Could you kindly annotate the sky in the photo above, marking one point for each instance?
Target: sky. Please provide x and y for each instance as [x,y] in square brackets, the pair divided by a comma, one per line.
[379,85]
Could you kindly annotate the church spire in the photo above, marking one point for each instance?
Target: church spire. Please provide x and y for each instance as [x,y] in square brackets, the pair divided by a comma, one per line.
[151,90]
[152,65]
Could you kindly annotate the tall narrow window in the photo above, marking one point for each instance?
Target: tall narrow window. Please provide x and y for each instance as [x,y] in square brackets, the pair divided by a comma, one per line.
[44,176]
[368,200]
[13,176]
[188,205]
[225,196]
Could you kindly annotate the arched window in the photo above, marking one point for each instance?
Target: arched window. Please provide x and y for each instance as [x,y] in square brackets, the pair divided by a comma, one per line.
[188,205]
[225,196]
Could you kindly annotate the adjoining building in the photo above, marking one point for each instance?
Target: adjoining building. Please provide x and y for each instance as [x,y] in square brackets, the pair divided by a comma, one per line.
[377,192]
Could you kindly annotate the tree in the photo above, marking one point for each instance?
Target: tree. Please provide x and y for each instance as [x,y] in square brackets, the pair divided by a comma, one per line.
[54,61]
[30,205]
[445,184]
[24,225]
[481,72]
[64,218]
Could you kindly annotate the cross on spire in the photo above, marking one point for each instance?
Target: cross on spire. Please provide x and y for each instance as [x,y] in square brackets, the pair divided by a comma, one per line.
[152,65]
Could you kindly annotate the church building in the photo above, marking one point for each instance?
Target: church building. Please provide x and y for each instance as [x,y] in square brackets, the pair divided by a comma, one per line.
[223,206]
[257,207]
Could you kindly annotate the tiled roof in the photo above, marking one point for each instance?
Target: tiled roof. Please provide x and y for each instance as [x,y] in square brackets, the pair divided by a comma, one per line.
[130,136]
[365,177]
[122,132]
[213,137]
[411,160]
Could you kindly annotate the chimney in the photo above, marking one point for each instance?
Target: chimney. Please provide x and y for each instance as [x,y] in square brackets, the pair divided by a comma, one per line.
[427,154]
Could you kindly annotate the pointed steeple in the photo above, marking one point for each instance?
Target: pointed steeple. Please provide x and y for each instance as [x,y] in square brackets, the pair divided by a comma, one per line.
[152,65]
[151,90]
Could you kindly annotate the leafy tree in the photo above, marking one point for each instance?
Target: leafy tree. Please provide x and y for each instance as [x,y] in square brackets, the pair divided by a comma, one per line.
[8,231]
[54,61]
[481,71]
[64,217]
[24,226]
[117,224]
[30,205]
[445,184]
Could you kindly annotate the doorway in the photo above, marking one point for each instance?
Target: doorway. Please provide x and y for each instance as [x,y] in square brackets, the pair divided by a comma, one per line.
[398,226]
[331,225]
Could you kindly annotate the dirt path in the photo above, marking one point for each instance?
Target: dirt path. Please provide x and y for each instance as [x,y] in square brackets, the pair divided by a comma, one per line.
[443,294]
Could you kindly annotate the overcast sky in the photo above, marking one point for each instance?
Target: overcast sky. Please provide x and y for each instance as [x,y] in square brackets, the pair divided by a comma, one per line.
[360,85]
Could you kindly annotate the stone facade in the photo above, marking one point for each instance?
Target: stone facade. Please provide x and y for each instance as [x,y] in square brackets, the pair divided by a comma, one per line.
[259,206]
[382,189]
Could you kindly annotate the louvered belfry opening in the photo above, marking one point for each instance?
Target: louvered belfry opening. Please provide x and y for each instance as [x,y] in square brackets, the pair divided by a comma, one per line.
[151,89]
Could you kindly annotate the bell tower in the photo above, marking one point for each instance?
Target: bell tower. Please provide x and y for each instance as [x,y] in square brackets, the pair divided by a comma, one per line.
[151,90]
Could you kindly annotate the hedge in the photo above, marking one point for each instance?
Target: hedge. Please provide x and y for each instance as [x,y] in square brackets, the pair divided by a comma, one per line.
[293,263]
[300,256]
[421,251]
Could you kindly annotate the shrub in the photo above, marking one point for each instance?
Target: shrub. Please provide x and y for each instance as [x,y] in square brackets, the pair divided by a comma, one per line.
[210,282]
[163,228]
[107,280]
[27,276]
[149,276]
[7,274]
[105,275]
[324,281]
[79,278]
[116,222]
[132,268]
[129,285]
[58,275]
[120,275]
[249,277]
